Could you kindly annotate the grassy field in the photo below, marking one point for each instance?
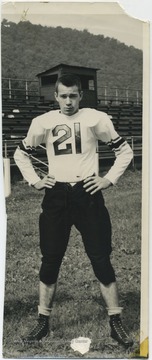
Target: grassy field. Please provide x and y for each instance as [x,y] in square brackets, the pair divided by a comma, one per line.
[78,308]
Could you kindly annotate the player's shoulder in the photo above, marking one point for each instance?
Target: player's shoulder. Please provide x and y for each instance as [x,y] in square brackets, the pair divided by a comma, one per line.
[94,116]
[43,120]
[95,112]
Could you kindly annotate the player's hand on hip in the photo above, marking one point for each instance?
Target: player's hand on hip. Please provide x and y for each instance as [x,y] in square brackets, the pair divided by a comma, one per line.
[47,182]
[92,184]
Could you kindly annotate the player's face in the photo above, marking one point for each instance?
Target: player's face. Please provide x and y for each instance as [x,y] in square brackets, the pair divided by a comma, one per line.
[68,99]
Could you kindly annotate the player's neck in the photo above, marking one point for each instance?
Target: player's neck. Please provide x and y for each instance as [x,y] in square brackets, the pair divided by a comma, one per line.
[68,115]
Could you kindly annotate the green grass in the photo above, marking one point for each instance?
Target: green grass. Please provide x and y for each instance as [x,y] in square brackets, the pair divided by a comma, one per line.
[78,308]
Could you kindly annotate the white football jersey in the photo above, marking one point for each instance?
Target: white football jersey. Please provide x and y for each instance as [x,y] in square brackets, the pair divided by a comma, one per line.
[71,145]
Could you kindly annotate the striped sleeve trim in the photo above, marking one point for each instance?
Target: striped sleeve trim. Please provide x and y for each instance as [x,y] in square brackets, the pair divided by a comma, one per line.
[27,149]
[116,144]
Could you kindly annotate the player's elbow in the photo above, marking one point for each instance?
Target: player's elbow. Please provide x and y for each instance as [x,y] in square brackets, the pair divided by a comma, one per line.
[15,155]
[130,153]
[125,154]
[18,156]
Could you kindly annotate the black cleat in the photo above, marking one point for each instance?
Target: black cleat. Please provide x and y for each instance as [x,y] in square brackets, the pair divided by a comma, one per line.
[39,331]
[118,333]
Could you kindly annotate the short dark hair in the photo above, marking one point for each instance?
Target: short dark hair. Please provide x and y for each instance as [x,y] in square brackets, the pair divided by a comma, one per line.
[68,79]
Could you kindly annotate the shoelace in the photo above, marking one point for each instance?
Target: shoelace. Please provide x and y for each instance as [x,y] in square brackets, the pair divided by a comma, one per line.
[38,328]
[119,329]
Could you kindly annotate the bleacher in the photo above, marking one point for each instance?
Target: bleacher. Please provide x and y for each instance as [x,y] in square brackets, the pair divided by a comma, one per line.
[17,116]
[127,120]
[16,119]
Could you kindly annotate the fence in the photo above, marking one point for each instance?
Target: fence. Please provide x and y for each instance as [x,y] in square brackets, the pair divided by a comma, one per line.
[29,90]
[117,95]
[19,88]
[40,160]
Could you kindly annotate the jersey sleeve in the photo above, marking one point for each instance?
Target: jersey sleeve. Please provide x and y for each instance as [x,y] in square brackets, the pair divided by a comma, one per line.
[106,132]
[35,137]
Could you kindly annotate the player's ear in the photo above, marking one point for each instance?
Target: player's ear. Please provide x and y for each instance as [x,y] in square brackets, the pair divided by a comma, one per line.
[81,95]
[56,96]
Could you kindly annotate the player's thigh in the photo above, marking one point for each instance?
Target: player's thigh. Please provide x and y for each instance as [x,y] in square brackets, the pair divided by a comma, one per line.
[95,226]
[54,224]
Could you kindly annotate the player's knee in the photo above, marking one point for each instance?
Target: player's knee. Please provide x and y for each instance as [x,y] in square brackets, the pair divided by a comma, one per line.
[49,270]
[103,269]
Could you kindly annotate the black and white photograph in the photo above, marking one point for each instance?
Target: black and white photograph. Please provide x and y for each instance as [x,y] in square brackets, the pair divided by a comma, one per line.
[75,127]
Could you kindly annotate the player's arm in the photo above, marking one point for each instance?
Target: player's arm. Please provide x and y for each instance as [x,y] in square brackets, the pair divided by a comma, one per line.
[105,131]
[123,154]
[122,150]
[35,137]
[23,161]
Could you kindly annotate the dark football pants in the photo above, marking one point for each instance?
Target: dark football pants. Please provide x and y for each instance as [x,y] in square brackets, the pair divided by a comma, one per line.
[63,206]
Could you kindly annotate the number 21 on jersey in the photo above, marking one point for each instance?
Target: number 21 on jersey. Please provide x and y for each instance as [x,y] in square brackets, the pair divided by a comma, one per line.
[67,134]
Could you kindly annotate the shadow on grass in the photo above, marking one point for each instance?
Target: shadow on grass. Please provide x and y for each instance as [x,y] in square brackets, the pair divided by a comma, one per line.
[89,319]
[130,301]
[19,308]
[23,307]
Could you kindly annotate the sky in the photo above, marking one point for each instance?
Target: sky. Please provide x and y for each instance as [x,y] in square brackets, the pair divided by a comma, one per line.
[108,19]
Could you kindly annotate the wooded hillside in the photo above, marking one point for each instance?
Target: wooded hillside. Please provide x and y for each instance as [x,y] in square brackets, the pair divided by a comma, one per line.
[29,49]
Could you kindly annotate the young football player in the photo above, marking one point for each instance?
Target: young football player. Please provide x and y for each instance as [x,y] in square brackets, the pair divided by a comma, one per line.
[73,196]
